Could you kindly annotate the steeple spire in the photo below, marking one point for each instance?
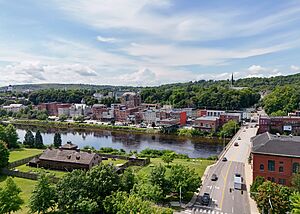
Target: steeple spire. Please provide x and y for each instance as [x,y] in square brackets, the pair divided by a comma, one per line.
[232,80]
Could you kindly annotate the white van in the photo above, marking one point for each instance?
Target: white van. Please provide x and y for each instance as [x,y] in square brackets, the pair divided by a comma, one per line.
[238,182]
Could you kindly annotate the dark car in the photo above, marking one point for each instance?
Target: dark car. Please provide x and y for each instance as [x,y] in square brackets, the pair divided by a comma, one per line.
[236,144]
[205,199]
[224,159]
[214,177]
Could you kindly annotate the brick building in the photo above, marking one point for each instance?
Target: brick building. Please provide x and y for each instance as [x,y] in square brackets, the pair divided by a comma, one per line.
[225,117]
[51,108]
[208,124]
[279,124]
[98,110]
[131,99]
[275,157]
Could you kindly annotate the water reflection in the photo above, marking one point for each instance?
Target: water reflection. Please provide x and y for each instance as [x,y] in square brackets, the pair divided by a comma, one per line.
[129,141]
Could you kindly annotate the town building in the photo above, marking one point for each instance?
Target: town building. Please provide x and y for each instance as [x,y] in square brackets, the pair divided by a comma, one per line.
[275,157]
[98,110]
[80,110]
[14,107]
[63,109]
[51,108]
[149,116]
[131,99]
[206,123]
[290,124]
[226,117]
[67,158]
[209,113]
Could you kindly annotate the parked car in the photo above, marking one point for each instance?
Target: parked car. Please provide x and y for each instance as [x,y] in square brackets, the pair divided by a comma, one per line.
[239,138]
[236,144]
[214,177]
[205,199]
[224,159]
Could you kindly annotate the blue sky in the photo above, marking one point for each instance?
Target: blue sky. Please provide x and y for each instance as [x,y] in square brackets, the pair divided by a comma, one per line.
[146,42]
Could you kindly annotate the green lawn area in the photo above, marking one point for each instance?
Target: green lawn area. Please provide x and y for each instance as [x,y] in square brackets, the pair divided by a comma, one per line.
[19,154]
[197,164]
[26,186]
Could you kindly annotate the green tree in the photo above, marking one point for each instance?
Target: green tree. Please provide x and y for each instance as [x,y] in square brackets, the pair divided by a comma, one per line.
[157,177]
[57,140]
[127,180]
[184,178]
[296,182]
[4,155]
[168,158]
[148,191]
[10,200]
[295,202]
[259,180]
[275,194]
[62,117]
[43,196]
[79,119]
[29,139]
[11,136]
[113,203]
[38,141]
[229,128]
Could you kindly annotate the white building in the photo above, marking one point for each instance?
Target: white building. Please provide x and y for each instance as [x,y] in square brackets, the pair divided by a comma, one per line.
[149,116]
[214,113]
[80,110]
[13,107]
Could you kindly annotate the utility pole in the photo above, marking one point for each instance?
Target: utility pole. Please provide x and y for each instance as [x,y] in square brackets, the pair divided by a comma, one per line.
[180,195]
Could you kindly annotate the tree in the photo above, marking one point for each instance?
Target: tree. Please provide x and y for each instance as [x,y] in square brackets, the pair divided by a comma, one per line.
[62,117]
[184,178]
[148,191]
[127,180]
[79,119]
[38,141]
[275,194]
[4,155]
[296,182]
[43,196]
[157,177]
[259,180]
[113,203]
[29,139]
[10,200]
[229,128]
[295,202]
[11,136]
[57,140]
[168,158]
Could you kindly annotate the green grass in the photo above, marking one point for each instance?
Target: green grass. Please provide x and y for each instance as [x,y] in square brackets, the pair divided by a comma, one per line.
[24,168]
[26,186]
[19,154]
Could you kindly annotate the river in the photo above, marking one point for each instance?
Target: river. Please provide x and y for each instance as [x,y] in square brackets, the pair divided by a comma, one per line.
[194,148]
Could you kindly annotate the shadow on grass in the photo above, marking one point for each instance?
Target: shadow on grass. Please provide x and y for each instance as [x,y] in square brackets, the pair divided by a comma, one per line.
[3,177]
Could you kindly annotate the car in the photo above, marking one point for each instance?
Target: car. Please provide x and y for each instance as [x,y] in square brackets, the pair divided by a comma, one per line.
[205,199]
[244,130]
[236,144]
[224,159]
[214,177]
[239,138]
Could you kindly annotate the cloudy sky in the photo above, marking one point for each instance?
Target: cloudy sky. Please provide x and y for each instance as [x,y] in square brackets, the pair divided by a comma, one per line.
[146,42]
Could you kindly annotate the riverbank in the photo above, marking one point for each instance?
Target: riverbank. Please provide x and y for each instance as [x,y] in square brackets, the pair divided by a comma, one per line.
[99,127]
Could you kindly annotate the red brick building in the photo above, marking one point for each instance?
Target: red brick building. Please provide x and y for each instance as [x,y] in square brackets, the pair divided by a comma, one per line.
[131,99]
[279,124]
[226,117]
[51,108]
[275,157]
[208,124]
[97,111]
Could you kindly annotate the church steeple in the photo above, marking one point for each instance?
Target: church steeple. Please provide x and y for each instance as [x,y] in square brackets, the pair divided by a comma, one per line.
[232,80]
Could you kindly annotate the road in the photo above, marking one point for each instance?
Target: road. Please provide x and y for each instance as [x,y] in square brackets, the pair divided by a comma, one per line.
[224,201]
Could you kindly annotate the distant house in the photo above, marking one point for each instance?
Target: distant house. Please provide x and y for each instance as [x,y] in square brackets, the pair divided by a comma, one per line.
[275,157]
[13,107]
[67,158]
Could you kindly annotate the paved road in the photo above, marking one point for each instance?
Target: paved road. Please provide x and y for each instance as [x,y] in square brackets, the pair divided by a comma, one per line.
[222,199]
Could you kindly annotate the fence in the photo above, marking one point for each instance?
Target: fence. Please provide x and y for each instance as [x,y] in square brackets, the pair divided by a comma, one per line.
[27,175]
[21,162]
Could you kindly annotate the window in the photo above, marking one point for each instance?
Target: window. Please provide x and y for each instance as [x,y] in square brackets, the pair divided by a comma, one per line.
[295,167]
[271,165]
[280,162]
[281,169]
[261,167]
[273,180]
[281,181]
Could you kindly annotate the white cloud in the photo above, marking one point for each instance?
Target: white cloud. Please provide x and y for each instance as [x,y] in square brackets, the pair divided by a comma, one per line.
[260,71]
[295,68]
[106,39]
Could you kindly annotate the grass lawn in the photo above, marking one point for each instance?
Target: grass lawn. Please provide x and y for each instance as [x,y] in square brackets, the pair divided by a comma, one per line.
[24,168]
[19,154]
[26,186]
[198,165]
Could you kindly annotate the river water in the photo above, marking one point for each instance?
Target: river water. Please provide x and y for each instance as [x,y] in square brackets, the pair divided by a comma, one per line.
[194,148]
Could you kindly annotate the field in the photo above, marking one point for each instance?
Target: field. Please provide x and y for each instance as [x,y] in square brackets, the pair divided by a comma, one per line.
[19,154]
[26,186]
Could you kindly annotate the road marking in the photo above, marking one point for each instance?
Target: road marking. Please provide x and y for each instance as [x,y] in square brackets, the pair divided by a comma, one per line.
[216,187]
[232,209]
[225,182]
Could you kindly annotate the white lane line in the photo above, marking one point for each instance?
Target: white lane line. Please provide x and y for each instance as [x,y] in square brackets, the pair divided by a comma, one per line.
[232,209]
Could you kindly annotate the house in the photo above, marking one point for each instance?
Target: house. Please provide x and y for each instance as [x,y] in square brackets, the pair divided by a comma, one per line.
[13,107]
[67,158]
[275,157]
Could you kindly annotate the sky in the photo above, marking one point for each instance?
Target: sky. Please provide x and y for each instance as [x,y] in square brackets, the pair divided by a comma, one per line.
[146,42]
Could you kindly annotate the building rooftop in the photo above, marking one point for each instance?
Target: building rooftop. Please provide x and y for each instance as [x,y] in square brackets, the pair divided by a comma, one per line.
[67,156]
[281,145]
[69,146]
[207,118]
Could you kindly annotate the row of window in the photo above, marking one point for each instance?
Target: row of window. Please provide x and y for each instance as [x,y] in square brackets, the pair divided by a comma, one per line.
[281,181]
[271,167]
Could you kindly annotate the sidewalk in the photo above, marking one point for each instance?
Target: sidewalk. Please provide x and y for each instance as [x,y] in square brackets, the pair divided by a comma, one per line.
[248,179]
